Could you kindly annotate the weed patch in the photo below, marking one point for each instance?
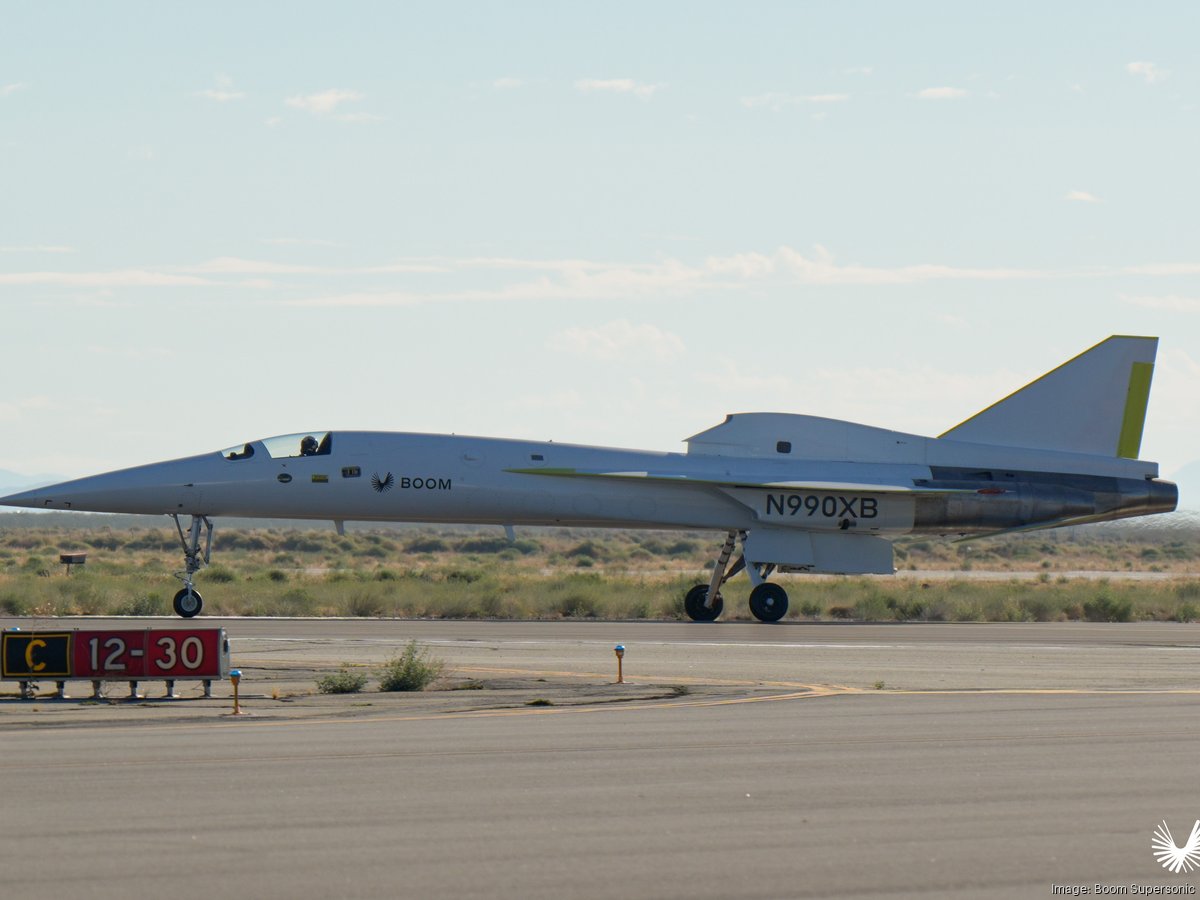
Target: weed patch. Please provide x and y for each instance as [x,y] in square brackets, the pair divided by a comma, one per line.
[414,669]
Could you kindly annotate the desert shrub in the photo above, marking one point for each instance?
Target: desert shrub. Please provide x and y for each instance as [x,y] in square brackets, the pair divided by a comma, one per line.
[220,575]
[14,605]
[483,545]
[242,540]
[872,608]
[426,545]
[465,576]
[104,542]
[297,602]
[364,605]
[682,548]
[1105,608]
[277,575]
[142,605]
[343,681]
[302,543]
[810,608]
[906,608]
[589,550]
[414,669]
[577,605]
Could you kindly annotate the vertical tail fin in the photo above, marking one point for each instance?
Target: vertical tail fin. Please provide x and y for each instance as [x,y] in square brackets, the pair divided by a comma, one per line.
[1094,403]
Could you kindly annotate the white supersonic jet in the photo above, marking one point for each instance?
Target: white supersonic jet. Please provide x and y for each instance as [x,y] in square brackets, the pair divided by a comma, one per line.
[796,493]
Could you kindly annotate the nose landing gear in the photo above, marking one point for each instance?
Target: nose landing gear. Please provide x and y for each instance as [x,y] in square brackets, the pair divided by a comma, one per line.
[188,601]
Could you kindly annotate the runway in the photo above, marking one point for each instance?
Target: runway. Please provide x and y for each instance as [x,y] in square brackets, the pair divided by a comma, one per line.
[740,761]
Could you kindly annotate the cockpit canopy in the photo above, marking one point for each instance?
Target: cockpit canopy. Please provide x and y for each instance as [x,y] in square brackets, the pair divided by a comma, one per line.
[287,446]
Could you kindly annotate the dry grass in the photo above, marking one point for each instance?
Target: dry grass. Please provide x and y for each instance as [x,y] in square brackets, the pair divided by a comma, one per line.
[558,573]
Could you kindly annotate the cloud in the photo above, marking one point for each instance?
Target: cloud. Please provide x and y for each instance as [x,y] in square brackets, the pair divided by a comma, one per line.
[619,340]
[235,265]
[324,102]
[508,83]
[566,280]
[777,100]
[117,278]
[511,279]
[360,117]
[224,92]
[303,242]
[820,268]
[37,248]
[1168,303]
[272,121]
[1147,71]
[1082,197]
[219,95]
[232,265]
[858,70]
[941,93]
[6,89]
[12,411]
[618,86]
[1161,269]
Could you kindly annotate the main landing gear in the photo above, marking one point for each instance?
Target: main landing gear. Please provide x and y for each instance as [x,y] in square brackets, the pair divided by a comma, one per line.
[768,602]
[188,601]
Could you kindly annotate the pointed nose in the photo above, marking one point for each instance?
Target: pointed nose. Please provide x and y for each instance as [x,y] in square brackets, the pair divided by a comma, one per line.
[165,487]
[38,498]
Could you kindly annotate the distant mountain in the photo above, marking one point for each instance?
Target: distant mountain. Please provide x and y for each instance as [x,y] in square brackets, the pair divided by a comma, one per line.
[11,482]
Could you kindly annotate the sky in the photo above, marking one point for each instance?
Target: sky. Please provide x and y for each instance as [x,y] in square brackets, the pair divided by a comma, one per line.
[597,223]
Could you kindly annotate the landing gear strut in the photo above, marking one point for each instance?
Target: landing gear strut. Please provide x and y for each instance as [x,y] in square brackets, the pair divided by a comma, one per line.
[704,603]
[768,602]
[188,601]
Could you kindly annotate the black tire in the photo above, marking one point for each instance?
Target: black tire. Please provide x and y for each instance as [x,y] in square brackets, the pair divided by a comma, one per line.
[693,604]
[188,603]
[768,602]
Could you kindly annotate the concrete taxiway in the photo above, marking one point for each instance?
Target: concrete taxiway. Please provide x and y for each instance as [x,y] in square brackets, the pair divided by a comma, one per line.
[797,760]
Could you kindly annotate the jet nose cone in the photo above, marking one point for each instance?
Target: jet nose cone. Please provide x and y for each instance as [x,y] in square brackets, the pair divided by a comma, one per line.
[38,498]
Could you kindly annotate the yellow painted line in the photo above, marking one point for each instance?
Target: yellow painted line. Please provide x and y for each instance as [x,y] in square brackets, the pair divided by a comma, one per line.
[1136,400]
[648,681]
[1036,691]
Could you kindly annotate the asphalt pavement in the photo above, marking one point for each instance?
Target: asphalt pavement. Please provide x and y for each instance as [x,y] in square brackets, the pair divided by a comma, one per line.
[798,760]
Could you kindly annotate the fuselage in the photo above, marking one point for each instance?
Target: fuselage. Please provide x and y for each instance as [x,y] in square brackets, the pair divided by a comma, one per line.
[409,477]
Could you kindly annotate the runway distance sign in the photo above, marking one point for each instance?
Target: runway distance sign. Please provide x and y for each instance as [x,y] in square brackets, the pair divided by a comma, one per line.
[117,654]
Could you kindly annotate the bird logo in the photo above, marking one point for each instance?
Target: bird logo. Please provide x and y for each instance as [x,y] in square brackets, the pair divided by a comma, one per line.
[1175,858]
[384,484]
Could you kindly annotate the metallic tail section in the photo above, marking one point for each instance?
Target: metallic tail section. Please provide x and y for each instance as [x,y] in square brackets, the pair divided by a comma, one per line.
[1093,404]
[1040,502]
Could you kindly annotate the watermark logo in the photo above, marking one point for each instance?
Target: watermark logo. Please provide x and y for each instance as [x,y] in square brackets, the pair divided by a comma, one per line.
[1173,857]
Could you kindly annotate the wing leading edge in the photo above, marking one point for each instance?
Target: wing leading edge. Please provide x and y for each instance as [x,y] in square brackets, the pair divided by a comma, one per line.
[832,487]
